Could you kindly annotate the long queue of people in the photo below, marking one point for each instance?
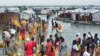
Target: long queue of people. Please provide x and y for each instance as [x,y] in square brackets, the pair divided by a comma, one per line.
[28,38]
[88,46]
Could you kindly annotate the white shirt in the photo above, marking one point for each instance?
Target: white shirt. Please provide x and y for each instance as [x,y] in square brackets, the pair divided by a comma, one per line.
[12,31]
[75,47]
[86,53]
[6,34]
[60,30]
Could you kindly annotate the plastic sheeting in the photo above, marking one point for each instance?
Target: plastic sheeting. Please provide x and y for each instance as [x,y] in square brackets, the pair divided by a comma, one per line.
[96,17]
[27,14]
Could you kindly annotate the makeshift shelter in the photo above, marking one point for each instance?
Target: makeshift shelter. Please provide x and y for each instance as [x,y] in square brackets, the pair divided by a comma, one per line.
[65,15]
[83,15]
[27,14]
[45,11]
[2,10]
[16,10]
[72,13]
[96,16]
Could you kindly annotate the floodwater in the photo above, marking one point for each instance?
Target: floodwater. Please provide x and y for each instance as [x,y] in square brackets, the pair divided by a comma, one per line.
[70,30]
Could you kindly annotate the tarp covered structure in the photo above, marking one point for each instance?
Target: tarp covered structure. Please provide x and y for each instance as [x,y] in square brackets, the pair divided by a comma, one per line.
[2,10]
[26,14]
[81,12]
[16,10]
[45,11]
[96,16]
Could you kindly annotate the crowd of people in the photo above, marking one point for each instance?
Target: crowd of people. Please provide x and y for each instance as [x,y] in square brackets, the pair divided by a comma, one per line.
[86,46]
[29,38]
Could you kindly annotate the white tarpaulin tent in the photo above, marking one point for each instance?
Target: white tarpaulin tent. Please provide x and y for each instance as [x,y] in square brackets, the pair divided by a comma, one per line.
[96,16]
[79,10]
[92,10]
[27,14]
[45,11]
[71,11]
[2,10]
[16,10]
[95,13]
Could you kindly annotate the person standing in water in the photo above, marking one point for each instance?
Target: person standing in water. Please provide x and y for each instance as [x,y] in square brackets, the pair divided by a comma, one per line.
[51,39]
[48,17]
[96,39]
[52,24]
[74,48]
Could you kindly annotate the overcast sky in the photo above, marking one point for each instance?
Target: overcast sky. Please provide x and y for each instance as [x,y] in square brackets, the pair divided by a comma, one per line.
[48,2]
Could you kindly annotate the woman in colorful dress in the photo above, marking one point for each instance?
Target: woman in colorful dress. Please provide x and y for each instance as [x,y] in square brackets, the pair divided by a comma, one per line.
[74,48]
[57,46]
[28,47]
[48,47]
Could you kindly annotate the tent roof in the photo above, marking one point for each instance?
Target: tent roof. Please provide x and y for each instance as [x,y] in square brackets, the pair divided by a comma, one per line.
[83,11]
[79,10]
[29,11]
[76,10]
[69,11]
[13,9]
[2,10]
[93,10]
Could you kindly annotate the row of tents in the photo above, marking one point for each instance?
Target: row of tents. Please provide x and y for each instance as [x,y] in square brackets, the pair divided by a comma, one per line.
[77,13]
[95,13]
[26,14]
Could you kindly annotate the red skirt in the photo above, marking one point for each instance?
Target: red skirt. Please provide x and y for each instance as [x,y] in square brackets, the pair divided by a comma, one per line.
[22,33]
